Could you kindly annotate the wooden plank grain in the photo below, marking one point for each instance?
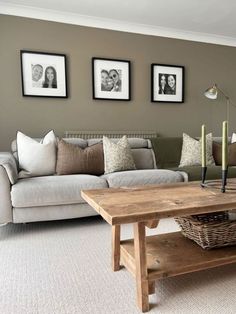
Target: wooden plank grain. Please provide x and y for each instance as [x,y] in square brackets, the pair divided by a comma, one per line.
[142,284]
[172,254]
[130,205]
[115,248]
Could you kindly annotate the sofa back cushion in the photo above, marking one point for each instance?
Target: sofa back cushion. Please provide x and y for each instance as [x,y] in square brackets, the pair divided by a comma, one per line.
[141,149]
[217,153]
[167,151]
[72,159]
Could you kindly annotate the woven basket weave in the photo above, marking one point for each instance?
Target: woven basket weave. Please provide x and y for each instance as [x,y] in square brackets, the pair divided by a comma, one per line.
[209,230]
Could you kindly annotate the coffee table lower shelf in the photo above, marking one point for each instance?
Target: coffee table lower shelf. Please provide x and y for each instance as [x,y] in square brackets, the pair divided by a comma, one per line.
[172,254]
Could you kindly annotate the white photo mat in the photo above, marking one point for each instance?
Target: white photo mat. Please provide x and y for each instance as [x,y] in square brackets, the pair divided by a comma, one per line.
[43,61]
[119,68]
[174,71]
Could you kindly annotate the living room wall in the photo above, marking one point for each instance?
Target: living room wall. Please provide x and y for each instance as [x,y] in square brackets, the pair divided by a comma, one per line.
[204,65]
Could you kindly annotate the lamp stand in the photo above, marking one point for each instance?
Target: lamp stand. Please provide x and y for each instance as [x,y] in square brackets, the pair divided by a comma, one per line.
[227,109]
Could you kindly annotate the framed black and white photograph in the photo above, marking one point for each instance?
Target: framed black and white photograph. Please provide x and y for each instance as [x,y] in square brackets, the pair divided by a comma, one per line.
[111,79]
[167,83]
[43,74]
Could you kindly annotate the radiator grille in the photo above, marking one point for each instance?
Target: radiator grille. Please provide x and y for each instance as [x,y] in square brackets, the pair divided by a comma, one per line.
[112,134]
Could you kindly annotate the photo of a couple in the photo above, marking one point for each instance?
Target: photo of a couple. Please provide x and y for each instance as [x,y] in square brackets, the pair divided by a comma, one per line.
[167,84]
[48,80]
[111,80]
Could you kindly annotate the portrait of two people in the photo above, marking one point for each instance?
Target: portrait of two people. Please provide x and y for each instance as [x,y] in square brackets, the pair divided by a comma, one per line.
[167,84]
[43,78]
[111,80]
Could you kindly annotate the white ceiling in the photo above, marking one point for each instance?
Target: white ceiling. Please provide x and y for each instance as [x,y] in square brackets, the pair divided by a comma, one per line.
[201,20]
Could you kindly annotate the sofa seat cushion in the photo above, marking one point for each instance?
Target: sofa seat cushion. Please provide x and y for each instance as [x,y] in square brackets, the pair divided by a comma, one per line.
[213,172]
[142,177]
[53,190]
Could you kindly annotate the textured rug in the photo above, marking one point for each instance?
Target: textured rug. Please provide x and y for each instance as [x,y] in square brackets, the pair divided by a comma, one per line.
[63,267]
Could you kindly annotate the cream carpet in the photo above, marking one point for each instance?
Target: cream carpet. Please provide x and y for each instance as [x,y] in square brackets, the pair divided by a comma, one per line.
[64,268]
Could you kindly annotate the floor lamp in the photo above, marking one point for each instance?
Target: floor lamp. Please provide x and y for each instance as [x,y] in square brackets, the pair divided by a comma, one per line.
[212,93]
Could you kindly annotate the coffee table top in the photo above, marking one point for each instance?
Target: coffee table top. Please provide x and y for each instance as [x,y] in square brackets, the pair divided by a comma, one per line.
[153,202]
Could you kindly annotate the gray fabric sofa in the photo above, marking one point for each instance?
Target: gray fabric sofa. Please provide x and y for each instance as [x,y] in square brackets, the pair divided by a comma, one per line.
[58,197]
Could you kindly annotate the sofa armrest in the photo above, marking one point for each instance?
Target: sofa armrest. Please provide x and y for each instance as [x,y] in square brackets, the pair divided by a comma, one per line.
[8,162]
[5,197]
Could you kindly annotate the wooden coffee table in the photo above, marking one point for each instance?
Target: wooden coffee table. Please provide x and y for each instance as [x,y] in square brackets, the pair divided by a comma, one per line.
[164,255]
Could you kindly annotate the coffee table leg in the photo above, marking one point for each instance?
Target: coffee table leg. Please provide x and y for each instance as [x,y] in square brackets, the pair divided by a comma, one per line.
[142,285]
[115,247]
[151,287]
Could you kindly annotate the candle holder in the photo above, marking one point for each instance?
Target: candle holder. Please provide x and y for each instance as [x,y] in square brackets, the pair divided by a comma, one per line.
[204,170]
[224,179]
[212,183]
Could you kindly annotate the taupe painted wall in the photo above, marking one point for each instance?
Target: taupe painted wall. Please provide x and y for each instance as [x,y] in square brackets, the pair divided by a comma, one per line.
[204,65]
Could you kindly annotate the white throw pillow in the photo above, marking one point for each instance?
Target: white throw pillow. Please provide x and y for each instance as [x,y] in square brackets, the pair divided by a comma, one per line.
[117,156]
[191,151]
[36,159]
[233,138]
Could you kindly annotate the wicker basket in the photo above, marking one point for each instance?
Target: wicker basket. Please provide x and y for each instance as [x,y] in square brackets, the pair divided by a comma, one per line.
[209,230]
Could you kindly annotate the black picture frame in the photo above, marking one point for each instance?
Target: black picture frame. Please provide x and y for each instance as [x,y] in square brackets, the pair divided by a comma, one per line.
[43,62]
[118,92]
[175,74]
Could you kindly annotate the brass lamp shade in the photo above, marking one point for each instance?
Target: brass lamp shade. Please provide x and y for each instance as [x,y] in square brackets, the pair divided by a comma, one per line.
[212,92]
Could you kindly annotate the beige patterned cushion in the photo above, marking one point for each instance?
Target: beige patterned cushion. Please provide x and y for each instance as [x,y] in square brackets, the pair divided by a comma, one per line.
[191,151]
[117,156]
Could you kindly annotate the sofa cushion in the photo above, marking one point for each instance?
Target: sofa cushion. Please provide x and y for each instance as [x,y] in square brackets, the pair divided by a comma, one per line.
[36,159]
[217,153]
[117,156]
[133,142]
[72,159]
[167,151]
[191,151]
[141,150]
[142,177]
[53,190]
[143,158]
[213,172]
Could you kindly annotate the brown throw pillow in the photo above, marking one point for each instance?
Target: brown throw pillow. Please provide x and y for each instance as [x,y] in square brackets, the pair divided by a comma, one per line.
[72,159]
[217,154]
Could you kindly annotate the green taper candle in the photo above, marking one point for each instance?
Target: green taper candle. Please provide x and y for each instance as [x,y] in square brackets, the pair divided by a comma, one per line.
[224,145]
[203,145]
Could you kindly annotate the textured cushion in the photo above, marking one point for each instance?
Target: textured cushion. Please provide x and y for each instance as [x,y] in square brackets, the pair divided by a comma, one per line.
[142,177]
[36,159]
[217,154]
[117,156]
[53,190]
[73,159]
[191,151]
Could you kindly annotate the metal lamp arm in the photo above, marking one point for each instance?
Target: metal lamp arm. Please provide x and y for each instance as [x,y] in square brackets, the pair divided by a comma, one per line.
[227,100]
[220,90]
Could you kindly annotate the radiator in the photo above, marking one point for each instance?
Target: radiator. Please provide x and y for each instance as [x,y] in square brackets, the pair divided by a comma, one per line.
[112,134]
